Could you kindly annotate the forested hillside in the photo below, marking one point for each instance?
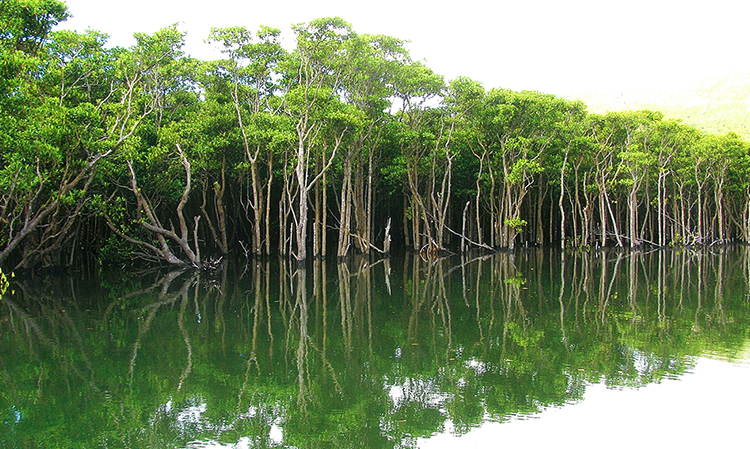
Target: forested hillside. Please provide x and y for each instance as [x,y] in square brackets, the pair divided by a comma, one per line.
[341,145]
[714,106]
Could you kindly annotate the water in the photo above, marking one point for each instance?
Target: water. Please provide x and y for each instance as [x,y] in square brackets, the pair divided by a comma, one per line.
[532,349]
[707,407]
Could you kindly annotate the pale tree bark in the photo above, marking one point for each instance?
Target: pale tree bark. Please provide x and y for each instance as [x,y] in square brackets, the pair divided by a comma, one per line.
[285,211]
[32,218]
[36,211]
[701,178]
[305,184]
[359,212]
[441,199]
[477,208]
[151,222]
[345,203]
[560,201]
[268,207]
[219,229]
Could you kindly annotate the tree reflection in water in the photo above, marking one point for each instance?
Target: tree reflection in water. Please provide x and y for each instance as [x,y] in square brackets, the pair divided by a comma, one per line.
[373,353]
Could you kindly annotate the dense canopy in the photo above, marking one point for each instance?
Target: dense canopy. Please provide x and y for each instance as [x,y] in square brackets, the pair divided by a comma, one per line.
[341,145]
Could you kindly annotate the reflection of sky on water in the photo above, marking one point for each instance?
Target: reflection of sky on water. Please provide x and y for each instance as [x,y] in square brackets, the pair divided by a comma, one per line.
[707,407]
[276,438]
[192,415]
[423,391]
[14,418]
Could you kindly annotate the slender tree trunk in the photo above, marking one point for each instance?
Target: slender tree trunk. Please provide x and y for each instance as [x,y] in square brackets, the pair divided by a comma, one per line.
[221,210]
[463,228]
[700,230]
[257,207]
[407,222]
[560,201]
[362,240]
[345,210]
[603,216]
[683,212]
[284,213]
[324,223]
[539,227]
[441,202]
[218,231]
[614,219]
[633,216]
[420,214]
[661,210]
[493,210]
[318,199]
[268,207]
[719,199]
[477,202]
[583,217]
[369,212]
[302,206]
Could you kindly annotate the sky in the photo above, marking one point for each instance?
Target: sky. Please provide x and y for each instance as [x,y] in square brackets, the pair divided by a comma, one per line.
[558,47]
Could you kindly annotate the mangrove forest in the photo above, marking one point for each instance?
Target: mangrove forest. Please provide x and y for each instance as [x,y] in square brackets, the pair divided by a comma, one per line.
[340,145]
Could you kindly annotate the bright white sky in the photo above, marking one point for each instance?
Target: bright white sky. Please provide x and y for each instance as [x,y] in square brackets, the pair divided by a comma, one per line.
[552,46]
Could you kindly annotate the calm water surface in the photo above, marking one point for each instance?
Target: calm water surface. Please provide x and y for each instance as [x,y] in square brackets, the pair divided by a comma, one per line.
[535,349]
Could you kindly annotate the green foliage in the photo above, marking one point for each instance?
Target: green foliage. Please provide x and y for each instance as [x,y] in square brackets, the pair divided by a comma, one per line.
[524,338]
[25,24]
[3,283]
[516,224]
[75,113]
[117,253]
[522,169]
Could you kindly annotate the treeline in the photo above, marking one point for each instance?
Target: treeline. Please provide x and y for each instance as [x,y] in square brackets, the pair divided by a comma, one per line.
[343,144]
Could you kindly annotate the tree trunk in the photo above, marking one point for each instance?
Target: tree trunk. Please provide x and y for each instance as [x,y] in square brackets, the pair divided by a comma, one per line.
[345,210]
[163,235]
[560,202]
[603,216]
[257,206]
[362,240]
[633,216]
[719,199]
[324,218]
[268,207]
[302,203]
[218,230]
[539,204]
[318,200]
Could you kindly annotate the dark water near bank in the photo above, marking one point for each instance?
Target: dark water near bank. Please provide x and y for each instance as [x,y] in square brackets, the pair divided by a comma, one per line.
[378,354]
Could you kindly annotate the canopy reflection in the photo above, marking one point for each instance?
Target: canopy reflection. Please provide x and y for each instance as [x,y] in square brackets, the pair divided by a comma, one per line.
[377,353]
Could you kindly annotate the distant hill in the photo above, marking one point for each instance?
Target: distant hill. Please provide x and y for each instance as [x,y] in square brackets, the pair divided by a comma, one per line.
[715,106]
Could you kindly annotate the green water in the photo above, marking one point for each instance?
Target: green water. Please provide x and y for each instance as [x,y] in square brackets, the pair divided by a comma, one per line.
[368,354]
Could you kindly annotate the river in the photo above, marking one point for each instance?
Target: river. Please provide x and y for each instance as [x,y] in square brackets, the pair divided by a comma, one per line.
[534,348]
